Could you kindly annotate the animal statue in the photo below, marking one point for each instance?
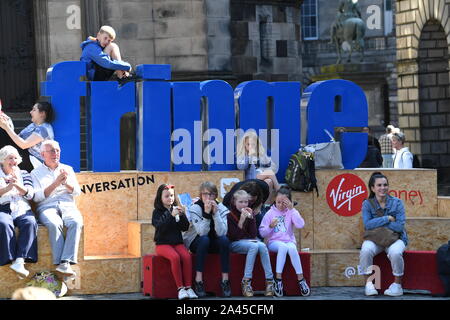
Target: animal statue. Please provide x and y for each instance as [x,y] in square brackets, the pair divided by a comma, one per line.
[349,36]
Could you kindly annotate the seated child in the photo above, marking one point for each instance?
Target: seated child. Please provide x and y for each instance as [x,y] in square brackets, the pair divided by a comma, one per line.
[103,57]
[277,227]
[169,221]
[243,236]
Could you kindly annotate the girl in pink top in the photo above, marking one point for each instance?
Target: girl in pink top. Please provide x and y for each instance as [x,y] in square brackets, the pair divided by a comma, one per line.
[277,227]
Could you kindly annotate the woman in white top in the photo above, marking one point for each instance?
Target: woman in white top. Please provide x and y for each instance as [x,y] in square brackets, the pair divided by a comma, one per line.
[16,190]
[403,158]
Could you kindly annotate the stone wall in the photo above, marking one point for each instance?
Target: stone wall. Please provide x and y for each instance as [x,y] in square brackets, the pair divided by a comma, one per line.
[57,33]
[380,52]
[265,40]
[424,99]
[161,32]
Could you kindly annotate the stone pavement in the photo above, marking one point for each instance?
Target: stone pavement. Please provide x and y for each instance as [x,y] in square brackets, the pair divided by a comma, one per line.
[317,293]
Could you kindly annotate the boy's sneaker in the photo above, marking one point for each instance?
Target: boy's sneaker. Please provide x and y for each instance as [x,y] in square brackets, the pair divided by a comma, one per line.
[394,290]
[226,288]
[65,268]
[191,294]
[269,288]
[370,290]
[182,294]
[278,288]
[247,290]
[304,288]
[199,289]
[19,267]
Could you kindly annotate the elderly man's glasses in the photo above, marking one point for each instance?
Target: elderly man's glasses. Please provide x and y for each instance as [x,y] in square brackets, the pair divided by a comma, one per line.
[53,151]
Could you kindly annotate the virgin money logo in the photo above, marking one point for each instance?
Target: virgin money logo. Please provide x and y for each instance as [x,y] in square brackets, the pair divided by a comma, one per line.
[345,194]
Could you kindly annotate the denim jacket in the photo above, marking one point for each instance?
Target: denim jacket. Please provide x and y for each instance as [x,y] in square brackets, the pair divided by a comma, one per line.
[394,207]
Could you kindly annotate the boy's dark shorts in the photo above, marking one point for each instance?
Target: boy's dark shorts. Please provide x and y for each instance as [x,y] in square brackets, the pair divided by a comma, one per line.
[102,74]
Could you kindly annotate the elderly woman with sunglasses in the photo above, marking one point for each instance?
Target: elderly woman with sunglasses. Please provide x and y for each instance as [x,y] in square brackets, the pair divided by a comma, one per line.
[207,234]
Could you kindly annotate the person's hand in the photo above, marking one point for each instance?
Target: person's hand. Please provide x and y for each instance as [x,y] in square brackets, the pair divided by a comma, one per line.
[391,219]
[214,207]
[4,121]
[252,159]
[208,207]
[288,204]
[10,182]
[274,223]
[252,152]
[177,211]
[246,213]
[62,177]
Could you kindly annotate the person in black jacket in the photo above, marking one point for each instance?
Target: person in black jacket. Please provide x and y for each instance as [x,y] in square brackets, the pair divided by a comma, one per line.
[373,159]
[169,221]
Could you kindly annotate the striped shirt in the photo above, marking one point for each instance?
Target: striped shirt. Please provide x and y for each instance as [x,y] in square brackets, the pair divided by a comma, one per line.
[12,202]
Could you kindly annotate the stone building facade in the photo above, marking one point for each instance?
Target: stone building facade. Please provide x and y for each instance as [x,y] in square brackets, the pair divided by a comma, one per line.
[376,73]
[404,72]
[233,40]
[423,39]
[201,39]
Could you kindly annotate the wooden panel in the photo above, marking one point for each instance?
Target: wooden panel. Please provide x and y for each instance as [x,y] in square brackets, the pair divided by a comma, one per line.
[343,269]
[140,238]
[306,208]
[109,201]
[332,231]
[335,268]
[427,233]
[184,182]
[318,269]
[99,276]
[9,280]
[444,207]
[134,238]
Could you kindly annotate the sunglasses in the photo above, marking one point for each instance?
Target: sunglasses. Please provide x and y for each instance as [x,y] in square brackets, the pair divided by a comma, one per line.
[169,186]
[209,194]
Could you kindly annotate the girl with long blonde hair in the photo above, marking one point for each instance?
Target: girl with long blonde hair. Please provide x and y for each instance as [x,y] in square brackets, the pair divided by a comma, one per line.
[252,157]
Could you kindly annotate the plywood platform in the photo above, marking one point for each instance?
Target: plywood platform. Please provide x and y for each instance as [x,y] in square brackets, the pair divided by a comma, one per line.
[117,230]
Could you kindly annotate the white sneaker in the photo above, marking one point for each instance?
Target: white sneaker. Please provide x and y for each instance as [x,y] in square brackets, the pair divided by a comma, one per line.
[19,267]
[370,289]
[394,290]
[65,268]
[182,294]
[191,293]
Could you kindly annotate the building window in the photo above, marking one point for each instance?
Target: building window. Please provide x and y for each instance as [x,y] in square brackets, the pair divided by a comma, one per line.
[310,26]
[388,17]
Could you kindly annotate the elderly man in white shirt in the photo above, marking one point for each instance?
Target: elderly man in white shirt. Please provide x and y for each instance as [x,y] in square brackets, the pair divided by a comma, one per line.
[55,188]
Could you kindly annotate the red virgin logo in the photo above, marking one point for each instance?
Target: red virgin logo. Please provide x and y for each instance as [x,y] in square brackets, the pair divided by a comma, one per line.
[345,194]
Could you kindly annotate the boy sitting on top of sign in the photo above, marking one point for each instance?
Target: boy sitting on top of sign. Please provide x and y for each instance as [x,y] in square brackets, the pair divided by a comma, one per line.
[103,57]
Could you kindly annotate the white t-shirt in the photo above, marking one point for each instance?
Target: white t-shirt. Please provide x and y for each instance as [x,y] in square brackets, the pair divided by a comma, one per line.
[403,159]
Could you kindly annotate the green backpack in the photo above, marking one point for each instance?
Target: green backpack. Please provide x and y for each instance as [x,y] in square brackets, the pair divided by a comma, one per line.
[300,173]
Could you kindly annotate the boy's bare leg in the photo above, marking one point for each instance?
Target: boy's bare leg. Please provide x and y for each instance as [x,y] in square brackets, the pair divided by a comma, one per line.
[272,181]
[114,52]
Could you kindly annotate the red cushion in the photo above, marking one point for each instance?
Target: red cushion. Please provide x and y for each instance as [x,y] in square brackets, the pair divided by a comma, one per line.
[420,271]
[159,282]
